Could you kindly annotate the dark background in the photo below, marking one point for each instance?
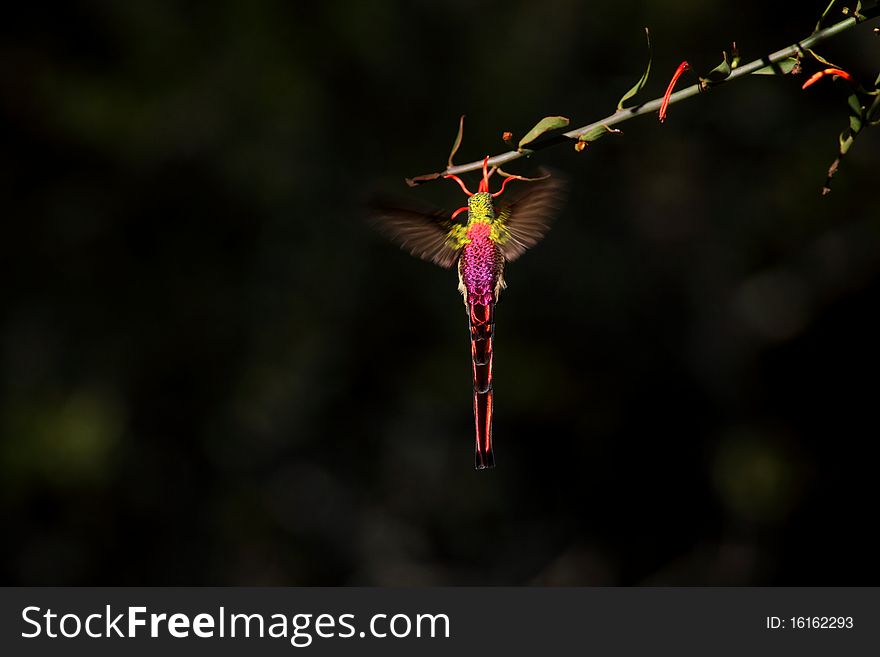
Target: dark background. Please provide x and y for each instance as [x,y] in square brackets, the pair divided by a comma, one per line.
[213,371]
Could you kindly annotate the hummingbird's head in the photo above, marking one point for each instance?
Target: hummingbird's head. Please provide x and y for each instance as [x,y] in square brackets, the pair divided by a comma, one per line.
[480,205]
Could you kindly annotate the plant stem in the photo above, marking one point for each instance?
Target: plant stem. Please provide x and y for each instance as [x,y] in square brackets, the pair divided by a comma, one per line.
[651,106]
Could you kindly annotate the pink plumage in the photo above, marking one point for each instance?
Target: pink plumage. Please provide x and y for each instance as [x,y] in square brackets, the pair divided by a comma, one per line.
[480,265]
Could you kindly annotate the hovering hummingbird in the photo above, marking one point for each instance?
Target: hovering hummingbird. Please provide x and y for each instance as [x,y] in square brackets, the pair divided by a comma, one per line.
[480,246]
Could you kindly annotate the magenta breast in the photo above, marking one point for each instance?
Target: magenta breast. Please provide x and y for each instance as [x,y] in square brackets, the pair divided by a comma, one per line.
[479,265]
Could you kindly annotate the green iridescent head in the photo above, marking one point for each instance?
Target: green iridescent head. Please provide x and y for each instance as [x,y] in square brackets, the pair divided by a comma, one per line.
[480,206]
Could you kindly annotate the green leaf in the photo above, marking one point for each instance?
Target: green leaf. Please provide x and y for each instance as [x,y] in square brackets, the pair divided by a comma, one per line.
[872,116]
[855,105]
[846,140]
[546,124]
[848,136]
[597,133]
[858,117]
[457,141]
[719,73]
[856,114]
[821,59]
[638,86]
[782,67]
[855,124]
[824,14]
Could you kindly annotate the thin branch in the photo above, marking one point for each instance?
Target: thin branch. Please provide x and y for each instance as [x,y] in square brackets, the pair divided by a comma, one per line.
[620,116]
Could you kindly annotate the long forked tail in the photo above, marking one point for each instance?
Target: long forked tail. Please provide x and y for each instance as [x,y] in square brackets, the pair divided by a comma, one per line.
[482,324]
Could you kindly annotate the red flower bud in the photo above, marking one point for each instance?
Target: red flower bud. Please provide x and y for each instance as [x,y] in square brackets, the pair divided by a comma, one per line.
[829,71]
[684,66]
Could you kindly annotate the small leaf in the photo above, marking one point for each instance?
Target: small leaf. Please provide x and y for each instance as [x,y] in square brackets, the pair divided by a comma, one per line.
[872,116]
[846,140]
[782,67]
[637,87]
[717,74]
[523,178]
[855,124]
[507,138]
[855,105]
[821,59]
[824,14]
[418,180]
[597,133]
[457,141]
[546,124]
[856,114]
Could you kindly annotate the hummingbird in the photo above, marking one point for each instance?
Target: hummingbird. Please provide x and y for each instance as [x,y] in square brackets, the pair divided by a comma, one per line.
[478,244]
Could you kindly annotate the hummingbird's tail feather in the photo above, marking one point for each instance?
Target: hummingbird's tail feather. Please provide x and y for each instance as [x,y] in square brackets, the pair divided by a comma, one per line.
[482,326]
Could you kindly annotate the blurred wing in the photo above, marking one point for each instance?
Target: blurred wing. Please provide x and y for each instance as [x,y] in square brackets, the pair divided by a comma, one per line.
[527,217]
[422,232]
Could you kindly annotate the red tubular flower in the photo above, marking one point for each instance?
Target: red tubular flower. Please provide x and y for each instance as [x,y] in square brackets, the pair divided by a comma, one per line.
[503,185]
[460,183]
[458,212]
[484,183]
[829,71]
[684,66]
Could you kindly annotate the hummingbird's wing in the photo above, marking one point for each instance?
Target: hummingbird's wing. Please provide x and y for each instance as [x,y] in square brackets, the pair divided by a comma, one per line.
[424,232]
[526,218]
